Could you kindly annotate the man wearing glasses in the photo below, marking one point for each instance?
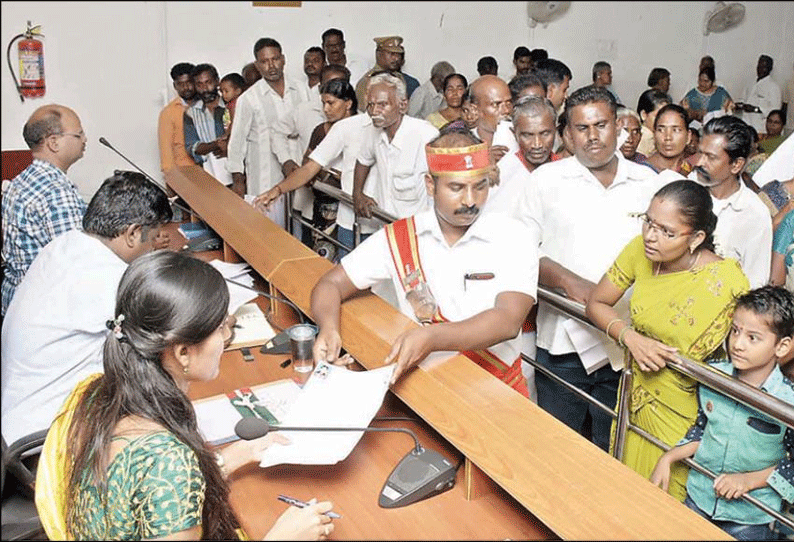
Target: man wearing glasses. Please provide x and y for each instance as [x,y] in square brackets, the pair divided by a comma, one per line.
[583,207]
[41,202]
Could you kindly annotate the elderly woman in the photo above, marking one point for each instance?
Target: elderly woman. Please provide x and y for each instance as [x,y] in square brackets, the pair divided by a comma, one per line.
[682,303]
[706,97]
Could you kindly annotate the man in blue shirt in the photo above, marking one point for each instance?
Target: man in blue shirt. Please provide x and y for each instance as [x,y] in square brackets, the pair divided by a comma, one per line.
[41,202]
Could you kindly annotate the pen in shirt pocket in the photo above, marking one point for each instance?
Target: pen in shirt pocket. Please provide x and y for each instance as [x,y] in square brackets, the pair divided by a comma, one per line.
[477,276]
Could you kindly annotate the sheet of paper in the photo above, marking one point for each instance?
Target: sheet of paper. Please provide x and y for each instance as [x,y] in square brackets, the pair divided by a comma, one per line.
[217,416]
[332,397]
[238,272]
[587,342]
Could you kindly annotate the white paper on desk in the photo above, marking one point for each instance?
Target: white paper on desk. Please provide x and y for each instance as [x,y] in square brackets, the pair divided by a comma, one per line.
[588,345]
[217,417]
[332,397]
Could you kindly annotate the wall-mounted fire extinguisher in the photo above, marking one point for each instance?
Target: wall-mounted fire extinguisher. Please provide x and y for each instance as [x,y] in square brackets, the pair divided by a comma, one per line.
[31,63]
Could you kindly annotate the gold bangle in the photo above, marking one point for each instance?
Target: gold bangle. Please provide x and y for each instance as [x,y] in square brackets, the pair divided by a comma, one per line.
[620,336]
[609,325]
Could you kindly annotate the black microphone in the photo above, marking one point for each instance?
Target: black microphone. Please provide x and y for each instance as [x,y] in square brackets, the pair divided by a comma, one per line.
[107,144]
[422,473]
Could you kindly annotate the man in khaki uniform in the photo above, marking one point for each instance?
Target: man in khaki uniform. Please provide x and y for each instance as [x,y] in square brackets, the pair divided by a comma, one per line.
[387,58]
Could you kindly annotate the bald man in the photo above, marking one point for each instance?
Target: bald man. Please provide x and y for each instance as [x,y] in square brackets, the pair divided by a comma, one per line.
[42,202]
[491,97]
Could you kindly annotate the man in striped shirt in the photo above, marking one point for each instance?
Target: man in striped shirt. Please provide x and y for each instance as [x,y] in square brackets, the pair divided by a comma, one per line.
[42,202]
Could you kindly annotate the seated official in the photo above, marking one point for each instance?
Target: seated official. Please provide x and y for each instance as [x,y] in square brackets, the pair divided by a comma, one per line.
[55,325]
[140,468]
[471,278]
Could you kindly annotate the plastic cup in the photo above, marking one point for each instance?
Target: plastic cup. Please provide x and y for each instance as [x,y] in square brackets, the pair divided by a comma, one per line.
[301,337]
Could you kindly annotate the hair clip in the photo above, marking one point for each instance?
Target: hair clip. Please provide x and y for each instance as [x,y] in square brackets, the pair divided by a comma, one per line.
[115,326]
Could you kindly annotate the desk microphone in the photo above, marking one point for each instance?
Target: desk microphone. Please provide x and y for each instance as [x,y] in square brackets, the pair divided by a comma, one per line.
[422,473]
[107,144]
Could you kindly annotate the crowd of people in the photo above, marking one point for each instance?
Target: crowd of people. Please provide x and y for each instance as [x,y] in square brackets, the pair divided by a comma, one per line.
[672,223]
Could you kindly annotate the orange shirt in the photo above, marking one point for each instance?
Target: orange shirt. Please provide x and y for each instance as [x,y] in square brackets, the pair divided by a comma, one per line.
[172,136]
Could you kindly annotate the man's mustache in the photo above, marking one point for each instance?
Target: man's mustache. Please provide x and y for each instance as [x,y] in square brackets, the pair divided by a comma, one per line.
[702,172]
[473,210]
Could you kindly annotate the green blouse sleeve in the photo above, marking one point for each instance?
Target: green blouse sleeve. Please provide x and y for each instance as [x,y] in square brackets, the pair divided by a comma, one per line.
[784,234]
[623,271]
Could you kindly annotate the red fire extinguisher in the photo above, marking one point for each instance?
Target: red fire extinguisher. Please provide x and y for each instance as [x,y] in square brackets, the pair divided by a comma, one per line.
[31,63]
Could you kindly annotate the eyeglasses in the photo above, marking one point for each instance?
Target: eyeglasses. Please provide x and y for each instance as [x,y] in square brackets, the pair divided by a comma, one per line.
[78,135]
[650,224]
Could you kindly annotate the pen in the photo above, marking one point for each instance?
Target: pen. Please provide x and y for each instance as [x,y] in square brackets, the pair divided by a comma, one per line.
[301,504]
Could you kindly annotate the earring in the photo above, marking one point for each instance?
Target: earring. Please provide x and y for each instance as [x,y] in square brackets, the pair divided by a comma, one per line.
[184,369]
[691,249]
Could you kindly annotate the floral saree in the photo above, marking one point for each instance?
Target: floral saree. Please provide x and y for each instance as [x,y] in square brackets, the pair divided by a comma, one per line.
[689,310]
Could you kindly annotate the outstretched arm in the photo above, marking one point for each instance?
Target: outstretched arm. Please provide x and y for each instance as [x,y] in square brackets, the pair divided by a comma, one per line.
[326,300]
[487,328]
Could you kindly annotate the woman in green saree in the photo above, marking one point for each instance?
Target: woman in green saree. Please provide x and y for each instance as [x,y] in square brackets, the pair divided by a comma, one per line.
[682,303]
[124,459]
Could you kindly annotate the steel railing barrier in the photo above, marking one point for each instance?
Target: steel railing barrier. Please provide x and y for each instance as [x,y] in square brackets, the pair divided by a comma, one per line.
[704,375]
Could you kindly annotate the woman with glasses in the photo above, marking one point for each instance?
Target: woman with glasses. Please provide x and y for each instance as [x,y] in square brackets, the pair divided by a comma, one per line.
[681,304]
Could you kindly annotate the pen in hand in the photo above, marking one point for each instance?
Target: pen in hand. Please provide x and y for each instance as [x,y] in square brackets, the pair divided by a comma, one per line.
[301,504]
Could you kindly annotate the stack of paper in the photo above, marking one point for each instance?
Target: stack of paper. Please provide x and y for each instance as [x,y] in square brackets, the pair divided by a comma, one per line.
[332,397]
[238,272]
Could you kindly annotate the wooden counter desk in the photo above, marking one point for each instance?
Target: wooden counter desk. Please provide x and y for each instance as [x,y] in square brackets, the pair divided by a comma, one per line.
[575,489]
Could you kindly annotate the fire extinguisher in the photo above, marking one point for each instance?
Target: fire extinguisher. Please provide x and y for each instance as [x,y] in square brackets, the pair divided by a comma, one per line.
[31,63]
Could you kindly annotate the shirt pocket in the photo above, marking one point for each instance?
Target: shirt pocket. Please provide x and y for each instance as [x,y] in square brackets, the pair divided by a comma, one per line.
[408,184]
[763,426]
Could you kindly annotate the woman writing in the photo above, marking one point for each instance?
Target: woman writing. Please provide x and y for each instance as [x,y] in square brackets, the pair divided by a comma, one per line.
[140,468]
[707,96]
[681,304]
[454,88]
[671,136]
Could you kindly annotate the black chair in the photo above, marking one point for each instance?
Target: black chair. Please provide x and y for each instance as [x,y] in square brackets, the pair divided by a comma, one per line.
[20,519]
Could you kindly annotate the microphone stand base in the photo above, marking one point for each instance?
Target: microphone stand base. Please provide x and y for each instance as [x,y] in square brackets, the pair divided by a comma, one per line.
[418,476]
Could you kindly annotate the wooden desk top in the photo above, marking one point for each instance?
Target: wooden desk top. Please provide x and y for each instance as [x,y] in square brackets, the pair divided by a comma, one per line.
[573,487]
[353,485]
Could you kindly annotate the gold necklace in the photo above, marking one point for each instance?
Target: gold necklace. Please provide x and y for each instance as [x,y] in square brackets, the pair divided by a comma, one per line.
[691,266]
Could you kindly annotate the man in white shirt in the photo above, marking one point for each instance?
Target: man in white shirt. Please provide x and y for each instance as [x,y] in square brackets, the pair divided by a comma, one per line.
[394,145]
[259,156]
[744,226]
[333,41]
[451,261]
[760,97]
[581,206]
[55,328]
[429,97]
[534,126]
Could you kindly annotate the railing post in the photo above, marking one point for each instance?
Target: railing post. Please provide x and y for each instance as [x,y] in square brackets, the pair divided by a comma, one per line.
[288,214]
[624,406]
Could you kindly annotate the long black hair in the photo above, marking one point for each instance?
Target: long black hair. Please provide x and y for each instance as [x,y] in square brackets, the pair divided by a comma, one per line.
[166,298]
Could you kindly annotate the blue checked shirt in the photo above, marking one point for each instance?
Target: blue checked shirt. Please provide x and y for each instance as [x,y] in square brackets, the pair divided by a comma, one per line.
[202,126]
[40,204]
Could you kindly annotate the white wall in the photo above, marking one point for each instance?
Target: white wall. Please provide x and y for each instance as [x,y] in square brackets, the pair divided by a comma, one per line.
[110,60]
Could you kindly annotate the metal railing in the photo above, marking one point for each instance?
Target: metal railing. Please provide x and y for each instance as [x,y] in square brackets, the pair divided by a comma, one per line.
[704,375]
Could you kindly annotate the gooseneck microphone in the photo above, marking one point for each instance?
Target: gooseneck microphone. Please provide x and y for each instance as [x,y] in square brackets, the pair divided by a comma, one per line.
[422,473]
[253,428]
[172,201]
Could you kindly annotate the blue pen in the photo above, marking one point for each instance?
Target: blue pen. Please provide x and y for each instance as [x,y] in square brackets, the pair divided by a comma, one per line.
[301,504]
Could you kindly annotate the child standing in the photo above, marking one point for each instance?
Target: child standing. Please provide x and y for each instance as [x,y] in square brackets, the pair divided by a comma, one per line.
[750,452]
